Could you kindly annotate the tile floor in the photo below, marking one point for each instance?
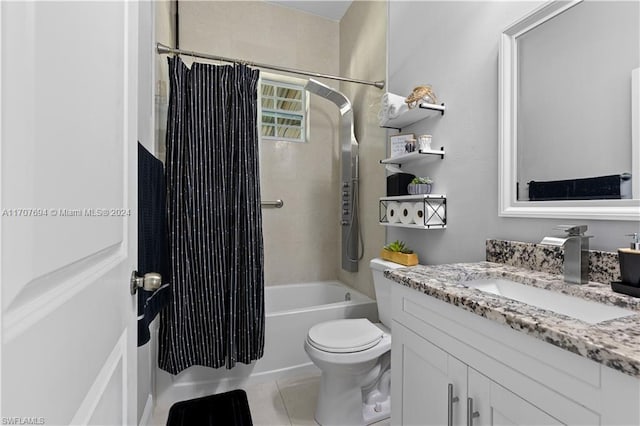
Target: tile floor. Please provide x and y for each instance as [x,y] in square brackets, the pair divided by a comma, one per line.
[287,402]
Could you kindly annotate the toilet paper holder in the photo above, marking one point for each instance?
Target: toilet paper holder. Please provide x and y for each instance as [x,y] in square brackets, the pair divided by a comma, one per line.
[429,211]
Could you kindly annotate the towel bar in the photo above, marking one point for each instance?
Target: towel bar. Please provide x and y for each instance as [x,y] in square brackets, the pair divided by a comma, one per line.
[277,204]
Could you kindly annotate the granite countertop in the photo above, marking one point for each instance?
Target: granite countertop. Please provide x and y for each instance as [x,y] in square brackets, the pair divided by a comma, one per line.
[614,343]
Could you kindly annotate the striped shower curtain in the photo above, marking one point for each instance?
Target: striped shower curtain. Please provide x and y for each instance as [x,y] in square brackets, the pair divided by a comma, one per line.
[216,317]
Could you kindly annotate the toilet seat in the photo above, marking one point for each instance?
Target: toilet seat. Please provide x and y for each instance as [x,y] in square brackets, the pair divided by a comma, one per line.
[345,335]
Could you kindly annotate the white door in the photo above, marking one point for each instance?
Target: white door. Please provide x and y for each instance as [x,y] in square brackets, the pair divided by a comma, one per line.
[498,406]
[68,200]
[422,375]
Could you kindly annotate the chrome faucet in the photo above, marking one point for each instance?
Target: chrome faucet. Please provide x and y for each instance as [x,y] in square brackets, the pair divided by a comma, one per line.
[576,252]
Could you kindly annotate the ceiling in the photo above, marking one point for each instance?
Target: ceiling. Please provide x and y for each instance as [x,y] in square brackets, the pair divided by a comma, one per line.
[329,9]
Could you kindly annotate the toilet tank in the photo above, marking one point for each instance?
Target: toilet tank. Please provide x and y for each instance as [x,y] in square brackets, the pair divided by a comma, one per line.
[382,287]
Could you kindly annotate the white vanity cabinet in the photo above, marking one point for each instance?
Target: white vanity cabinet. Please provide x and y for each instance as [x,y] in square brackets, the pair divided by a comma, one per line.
[511,378]
[436,388]
[495,405]
[427,382]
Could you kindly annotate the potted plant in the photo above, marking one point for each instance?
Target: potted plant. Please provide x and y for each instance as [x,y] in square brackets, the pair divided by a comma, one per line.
[397,252]
[420,185]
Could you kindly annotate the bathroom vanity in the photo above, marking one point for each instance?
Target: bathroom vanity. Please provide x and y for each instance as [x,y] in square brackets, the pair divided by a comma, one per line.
[463,354]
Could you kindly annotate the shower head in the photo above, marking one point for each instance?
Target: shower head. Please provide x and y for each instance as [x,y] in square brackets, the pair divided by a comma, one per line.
[314,86]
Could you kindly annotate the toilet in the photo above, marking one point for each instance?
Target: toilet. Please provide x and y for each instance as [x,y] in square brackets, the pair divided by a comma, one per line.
[354,356]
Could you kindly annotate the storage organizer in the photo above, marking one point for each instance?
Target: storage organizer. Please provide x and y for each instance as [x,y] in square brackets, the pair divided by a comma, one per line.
[432,206]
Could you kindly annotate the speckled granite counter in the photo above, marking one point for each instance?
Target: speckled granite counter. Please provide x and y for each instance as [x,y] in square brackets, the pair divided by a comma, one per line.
[614,343]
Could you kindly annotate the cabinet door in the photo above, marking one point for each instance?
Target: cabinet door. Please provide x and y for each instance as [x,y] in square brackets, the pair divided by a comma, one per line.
[422,374]
[496,405]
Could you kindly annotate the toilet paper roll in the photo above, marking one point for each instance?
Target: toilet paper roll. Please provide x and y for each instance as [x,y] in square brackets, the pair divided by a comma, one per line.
[393,212]
[406,213]
[418,213]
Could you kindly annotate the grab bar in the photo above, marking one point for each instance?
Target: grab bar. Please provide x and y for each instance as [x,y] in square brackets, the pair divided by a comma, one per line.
[277,204]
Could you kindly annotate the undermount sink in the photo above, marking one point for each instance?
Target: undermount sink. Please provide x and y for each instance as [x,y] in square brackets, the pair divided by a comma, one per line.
[571,306]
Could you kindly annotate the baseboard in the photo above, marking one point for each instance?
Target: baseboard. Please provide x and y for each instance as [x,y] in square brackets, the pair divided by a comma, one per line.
[180,391]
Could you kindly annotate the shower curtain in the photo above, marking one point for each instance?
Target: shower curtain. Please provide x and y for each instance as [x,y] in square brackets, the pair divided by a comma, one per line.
[216,317]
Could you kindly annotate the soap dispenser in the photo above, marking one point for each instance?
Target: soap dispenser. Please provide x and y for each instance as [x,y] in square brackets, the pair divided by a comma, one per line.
[629,259]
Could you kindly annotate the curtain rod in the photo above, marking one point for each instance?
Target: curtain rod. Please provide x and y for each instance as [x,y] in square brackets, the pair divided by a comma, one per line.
[162,49]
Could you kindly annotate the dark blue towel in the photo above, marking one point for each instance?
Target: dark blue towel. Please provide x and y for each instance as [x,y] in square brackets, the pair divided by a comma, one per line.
[153,248]
[594,188]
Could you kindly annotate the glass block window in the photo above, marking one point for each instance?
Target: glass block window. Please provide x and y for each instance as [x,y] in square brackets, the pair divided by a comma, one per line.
[283,111]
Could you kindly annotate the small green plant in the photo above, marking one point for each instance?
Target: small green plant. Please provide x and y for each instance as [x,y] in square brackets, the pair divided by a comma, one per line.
[422,180]
[398,247]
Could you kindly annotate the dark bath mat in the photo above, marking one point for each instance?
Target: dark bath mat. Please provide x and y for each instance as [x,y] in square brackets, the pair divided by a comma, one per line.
[229,408]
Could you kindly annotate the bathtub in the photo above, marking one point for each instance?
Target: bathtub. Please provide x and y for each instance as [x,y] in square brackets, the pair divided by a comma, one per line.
[291,309]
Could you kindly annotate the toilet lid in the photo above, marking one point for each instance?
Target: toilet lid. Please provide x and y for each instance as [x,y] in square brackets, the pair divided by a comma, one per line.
[345,335]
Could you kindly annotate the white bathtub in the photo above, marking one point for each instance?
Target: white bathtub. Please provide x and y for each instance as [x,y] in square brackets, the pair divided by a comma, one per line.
[291,309]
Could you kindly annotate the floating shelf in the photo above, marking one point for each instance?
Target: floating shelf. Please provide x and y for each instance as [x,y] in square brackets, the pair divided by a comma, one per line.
[412,156]
[417,197]
[412,226]
[424,110]
[433,209]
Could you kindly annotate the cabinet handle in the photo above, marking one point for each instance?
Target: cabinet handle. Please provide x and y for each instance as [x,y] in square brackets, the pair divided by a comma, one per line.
[451,400]
[470,413]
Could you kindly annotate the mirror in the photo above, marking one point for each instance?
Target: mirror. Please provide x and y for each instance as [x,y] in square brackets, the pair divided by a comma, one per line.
[570,88]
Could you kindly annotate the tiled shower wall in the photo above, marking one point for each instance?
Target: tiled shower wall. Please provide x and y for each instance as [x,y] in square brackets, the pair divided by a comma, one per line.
[363,41]
[300,238]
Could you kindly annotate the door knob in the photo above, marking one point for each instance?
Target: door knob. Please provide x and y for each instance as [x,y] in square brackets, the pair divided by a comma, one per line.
[150,281]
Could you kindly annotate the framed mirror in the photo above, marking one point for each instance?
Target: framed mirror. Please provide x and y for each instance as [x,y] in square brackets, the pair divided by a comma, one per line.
[570,112]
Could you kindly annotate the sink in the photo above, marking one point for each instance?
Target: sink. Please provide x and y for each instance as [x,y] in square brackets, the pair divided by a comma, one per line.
[571,306]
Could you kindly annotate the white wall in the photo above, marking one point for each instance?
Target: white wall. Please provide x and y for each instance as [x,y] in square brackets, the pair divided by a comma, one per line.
[156,18]
[454,47]
[165,34]
[145,137]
